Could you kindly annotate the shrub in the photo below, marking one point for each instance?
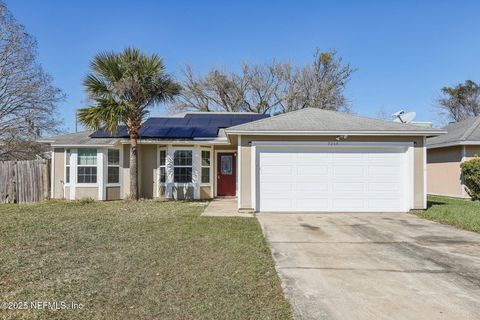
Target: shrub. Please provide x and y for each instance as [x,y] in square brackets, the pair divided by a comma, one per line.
[86,200]
[471,177]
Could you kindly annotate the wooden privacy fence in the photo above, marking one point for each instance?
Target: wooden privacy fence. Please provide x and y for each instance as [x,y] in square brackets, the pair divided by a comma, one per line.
[24,181]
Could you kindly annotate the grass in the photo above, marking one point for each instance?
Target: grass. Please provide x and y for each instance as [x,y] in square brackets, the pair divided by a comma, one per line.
[460,213]
[127,260]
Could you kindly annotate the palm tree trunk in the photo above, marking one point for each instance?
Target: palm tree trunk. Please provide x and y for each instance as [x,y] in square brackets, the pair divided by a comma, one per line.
[133,168]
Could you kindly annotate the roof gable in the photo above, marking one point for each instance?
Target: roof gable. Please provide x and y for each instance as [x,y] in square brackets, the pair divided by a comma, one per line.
[326,121]
[463,132]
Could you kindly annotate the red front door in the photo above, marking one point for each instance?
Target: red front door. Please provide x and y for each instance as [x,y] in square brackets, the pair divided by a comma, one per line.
[226,174]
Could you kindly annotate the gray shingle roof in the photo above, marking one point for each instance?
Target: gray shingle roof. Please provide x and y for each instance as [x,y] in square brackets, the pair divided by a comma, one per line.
[318,120]
[463,132]
[80,138]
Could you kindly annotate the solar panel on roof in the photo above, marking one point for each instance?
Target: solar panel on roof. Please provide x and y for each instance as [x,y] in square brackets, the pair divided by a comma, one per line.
[205,132]
[204,125]
[122,131]
[180,132]
[153,132]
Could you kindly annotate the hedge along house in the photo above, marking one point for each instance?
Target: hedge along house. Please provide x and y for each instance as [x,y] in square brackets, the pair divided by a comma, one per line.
[302,161]
[447,152]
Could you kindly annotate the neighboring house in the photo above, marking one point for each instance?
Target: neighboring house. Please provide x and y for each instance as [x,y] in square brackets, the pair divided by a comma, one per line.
[446,153]
[307,160]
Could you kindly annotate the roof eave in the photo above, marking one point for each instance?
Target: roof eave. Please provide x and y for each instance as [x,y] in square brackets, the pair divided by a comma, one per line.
[428,133]
[185,142]
[78,145]
[452,144]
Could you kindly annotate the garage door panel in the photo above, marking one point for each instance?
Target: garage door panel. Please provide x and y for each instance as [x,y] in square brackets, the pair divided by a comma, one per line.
[312,204]
[274,187]
[277,169]
[346,204]
[311,188]
[308,170]
[332,179]
[349,186]
[272,204]
[349,170]
[386,204]
[383,186]
[384,171]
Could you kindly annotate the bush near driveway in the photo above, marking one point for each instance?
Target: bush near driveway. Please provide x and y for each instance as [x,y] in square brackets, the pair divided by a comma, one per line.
[471,177]
[460,213]
[136,260]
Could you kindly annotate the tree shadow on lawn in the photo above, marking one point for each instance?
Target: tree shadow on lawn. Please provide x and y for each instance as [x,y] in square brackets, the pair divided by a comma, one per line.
[435,203]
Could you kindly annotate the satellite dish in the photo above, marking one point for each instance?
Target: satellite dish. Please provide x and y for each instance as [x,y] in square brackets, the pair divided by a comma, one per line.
[404,117]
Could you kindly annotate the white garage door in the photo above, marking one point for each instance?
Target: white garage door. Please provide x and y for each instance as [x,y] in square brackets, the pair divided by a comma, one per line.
[333,179]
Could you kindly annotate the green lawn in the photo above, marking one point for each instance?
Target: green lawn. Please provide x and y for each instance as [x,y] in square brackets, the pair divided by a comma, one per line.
[145,260]
[464,214]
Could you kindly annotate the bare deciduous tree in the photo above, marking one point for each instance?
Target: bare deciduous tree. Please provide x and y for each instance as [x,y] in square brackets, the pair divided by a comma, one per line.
[269,88]
[27,97]
[460,102]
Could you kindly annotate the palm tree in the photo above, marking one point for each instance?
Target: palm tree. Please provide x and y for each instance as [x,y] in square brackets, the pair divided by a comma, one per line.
[123,87]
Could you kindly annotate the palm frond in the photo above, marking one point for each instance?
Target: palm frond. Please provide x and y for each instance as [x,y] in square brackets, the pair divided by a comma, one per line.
[123,87]
[106,114]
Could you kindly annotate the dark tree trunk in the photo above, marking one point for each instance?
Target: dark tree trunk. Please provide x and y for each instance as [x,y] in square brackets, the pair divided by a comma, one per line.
[133,168]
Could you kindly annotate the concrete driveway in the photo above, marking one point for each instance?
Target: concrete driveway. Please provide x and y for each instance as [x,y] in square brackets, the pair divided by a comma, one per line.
[375,266]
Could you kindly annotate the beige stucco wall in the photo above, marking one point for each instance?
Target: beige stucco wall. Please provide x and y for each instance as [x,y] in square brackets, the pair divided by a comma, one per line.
[59,154]
[472,151]
[246,172]
[86,192]
[112,193]
[125,172]
[444,174]
[147,170]
[205,192]
[67,192]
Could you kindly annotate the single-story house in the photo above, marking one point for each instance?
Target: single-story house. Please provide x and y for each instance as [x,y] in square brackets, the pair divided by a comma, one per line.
[306,160]
[445,153]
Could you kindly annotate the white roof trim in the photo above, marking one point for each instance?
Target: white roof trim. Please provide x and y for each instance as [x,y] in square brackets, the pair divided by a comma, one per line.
[186,142]
[453,144]
[329,133]
[76,145]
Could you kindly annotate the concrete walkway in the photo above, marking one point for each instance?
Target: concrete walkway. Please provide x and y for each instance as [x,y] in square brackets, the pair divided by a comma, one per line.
[375,266]
[224,207]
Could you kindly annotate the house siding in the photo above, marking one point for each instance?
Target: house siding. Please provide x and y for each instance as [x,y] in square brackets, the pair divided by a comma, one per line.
[444,173]
[59,154]
[125,172]
[246,170]
[147,170]
[86,193]
[473,151]
[113,193]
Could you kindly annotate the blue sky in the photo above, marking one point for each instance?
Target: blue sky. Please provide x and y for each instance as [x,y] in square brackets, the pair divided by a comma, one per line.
[405,51]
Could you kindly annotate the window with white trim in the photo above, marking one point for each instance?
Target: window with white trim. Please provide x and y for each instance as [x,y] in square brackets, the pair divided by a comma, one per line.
[67,166]
[182,166]
[205,167]
[87,166]
[163,166]
[113,169]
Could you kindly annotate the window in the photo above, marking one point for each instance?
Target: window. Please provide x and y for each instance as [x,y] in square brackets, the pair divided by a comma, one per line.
[113,166]
[205,167]
[87,166]
[67,166]
[226,165]
[163,164]
[182,166]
